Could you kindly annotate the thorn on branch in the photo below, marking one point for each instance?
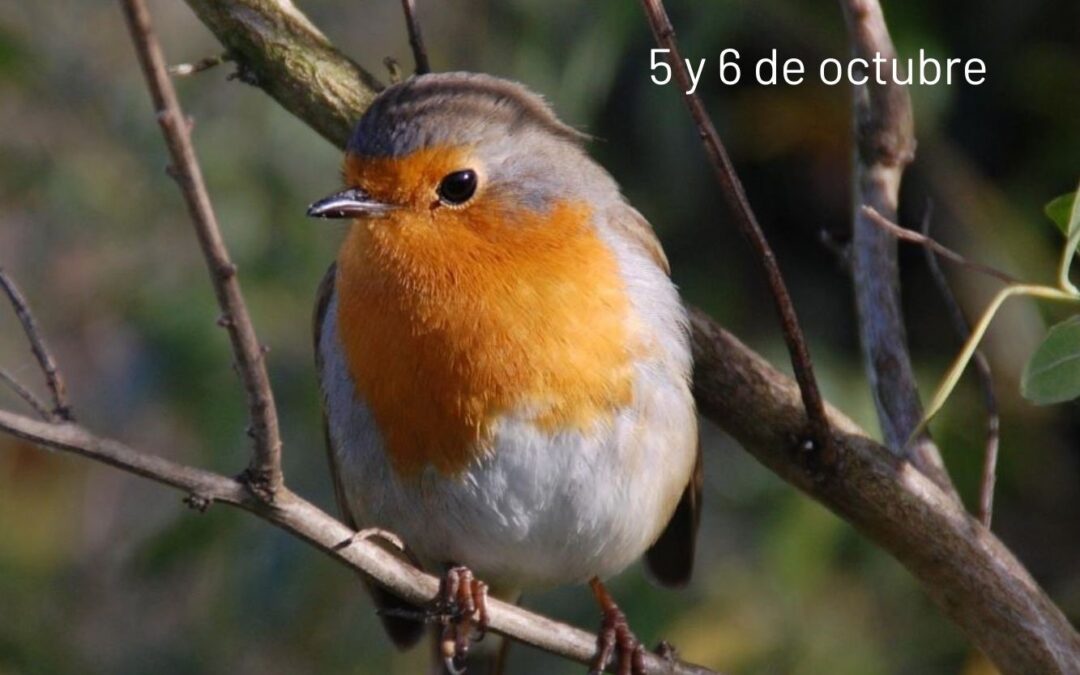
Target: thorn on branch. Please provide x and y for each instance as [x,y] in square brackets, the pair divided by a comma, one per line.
[263,485]
[244,73]
[224,321]
[197,502]
[226,270]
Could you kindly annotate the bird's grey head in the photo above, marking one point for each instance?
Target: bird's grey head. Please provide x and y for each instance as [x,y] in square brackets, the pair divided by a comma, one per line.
[525,151]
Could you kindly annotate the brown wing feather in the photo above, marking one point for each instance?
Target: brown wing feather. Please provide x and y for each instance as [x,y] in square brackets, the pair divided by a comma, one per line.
[403,632]
[629,222]
[671,558]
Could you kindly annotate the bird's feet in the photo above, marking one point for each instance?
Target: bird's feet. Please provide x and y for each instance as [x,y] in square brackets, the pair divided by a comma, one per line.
[461,609]
[615,638]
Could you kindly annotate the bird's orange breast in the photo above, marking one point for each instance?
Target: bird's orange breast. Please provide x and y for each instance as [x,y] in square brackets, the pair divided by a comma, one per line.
[451,318]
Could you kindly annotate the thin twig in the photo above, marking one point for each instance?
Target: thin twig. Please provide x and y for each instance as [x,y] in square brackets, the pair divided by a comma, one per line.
[935,246]
[885,144]
[26,395]
[731,186]
[264,472]
[416,40]
[202,65]
[54,379]
[962,327]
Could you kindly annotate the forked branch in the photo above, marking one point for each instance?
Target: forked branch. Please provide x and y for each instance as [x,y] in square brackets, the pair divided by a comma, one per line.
[264,473]
[61,409]
[884,146]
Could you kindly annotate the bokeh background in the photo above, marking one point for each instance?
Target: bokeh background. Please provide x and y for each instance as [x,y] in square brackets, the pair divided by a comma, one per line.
[101,572]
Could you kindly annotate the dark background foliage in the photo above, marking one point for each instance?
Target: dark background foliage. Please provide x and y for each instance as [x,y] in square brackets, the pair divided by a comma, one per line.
[103,573]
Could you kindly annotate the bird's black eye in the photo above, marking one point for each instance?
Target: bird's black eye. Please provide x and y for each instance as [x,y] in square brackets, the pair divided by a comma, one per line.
[458,187]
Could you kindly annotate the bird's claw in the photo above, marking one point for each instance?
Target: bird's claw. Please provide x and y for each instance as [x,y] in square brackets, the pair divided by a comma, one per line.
[462,609]
[615,639]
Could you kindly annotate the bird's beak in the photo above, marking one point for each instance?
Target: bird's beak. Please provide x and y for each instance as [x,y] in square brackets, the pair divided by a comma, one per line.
[350,203]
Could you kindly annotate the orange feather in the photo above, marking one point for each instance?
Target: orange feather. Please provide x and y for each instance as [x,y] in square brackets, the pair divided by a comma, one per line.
[450,317]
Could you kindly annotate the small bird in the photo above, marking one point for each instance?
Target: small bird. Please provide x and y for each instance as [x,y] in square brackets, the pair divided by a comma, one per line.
[504,361]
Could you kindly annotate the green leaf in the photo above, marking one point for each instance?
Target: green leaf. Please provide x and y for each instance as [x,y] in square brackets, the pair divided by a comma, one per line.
[1053,373]
[1059,209]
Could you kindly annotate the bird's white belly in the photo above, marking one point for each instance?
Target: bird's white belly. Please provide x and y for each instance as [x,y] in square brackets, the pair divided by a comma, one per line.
[542,509]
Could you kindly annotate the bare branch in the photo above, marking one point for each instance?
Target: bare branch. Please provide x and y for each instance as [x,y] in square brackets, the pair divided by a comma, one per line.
[731,186]
[885,144]
[264,471]
[934,247]
[272,42]
[299,517]
[26,395]
[962,327]
[416,41]
[967,571]
[54,379]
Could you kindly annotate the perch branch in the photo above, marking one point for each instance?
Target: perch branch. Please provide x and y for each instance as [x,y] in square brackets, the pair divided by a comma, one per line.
[54,379]
[735,196]
[264,472]
[304,520]
[885,145]
[416,40]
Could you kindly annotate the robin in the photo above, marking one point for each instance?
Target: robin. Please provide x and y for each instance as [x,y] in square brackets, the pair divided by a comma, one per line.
[504,360]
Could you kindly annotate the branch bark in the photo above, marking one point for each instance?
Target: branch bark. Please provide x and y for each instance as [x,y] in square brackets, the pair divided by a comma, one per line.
[263,475]
[969,573]
[884,145]
[279,50]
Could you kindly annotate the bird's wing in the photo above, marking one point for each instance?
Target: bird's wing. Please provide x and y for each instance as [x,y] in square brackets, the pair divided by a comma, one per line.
[671,558]
[629,222]
[404,632]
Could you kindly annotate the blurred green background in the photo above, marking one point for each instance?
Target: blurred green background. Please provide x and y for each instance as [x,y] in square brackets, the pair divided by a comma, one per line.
[101,572]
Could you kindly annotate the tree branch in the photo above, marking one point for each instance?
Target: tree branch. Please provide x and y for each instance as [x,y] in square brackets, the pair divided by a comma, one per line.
[416,40]
[735,196]
[54,379]
[885,145]
[299,517]
[263,475]
[279,50]
[967,571]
